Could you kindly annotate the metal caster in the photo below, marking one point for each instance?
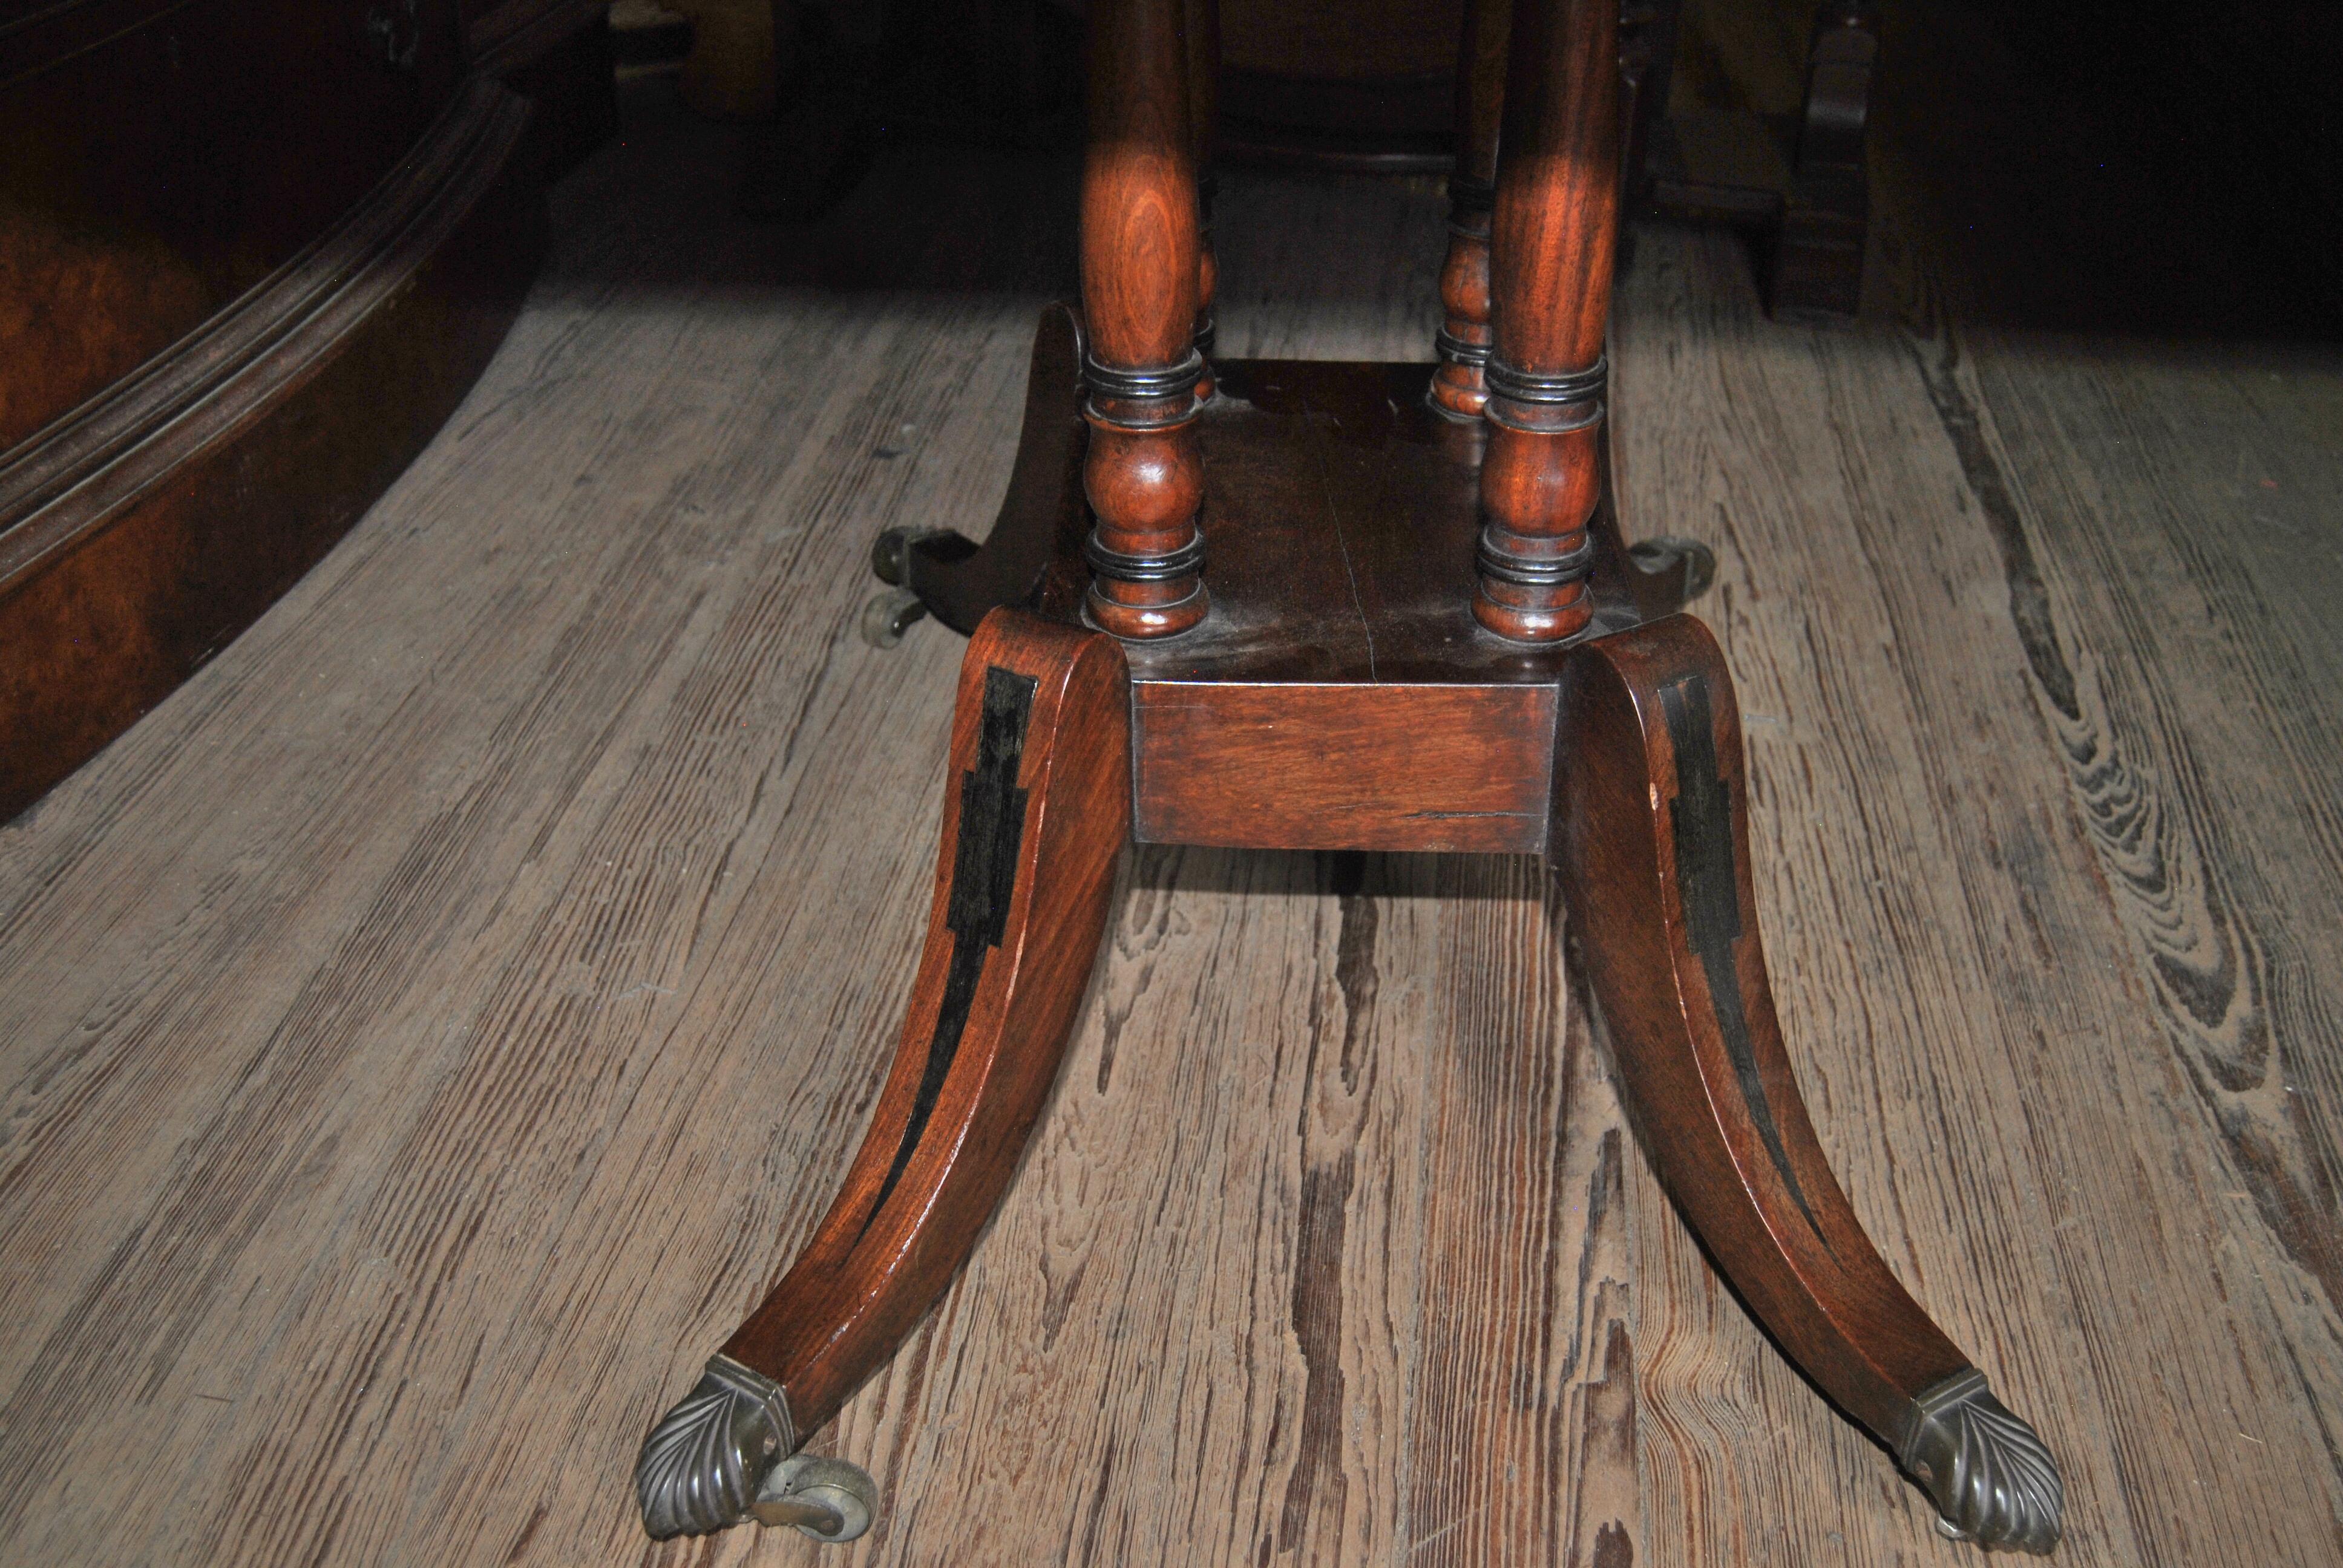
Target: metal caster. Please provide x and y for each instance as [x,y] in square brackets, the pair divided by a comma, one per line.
[830,1500]
[891,555]
[890,552]
[1658,555]
[889,615]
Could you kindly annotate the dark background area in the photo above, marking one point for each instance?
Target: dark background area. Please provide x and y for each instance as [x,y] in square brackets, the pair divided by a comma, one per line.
[2141,167]
[2091,165]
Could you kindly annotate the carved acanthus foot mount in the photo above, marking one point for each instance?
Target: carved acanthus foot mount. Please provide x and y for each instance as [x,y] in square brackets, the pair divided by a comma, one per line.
[1991,1476]
[702,1465]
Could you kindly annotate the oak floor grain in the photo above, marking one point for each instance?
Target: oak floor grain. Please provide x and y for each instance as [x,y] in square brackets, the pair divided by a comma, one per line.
[424,1036]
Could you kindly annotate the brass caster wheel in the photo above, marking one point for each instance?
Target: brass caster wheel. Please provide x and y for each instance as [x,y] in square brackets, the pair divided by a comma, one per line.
[830,1500]
[887,617]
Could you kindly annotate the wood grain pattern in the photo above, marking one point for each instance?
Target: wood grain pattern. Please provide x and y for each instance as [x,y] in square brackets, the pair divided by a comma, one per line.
[167,156]
[1552,244]
[363,1008]
[1141,270]
[1651,841]
[1650,768]
[1037,815]
[1340,695]
[150,525]
[1454,767]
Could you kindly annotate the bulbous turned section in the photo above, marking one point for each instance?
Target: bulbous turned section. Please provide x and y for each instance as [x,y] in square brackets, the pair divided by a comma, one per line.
[1143,272]
[701,1466]
[1541,478]
[1144,479]
[1459,389]
[1990,1475]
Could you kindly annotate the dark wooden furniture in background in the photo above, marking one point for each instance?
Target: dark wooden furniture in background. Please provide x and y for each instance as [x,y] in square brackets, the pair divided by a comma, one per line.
[1796,184]
[1371,89]
[251,255]
[1365,87]
[1419,628]
[1378,102]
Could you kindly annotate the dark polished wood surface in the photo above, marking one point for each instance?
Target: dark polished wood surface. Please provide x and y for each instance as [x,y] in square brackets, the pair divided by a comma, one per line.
[166,158]
[1342,510]
[1553,242]
[1402,651]
[253,256]
[1037,812]
[1342,695]
[1141,267]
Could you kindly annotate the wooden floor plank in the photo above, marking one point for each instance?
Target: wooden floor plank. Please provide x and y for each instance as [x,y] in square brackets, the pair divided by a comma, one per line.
[424,1036]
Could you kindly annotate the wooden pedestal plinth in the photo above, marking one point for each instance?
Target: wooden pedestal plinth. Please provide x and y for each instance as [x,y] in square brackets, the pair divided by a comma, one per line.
[1340,694]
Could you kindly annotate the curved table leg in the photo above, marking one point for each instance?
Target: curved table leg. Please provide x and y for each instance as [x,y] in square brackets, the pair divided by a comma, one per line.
[1647,579]
[1653,840]
[1042,520]
[1035,819]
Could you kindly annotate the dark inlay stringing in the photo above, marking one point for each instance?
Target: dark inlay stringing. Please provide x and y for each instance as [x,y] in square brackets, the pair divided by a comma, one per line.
[1702,814]
[984,878]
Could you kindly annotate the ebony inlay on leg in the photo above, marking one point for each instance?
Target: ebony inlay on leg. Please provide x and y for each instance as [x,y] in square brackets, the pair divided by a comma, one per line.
[1036,816]
[1652,835]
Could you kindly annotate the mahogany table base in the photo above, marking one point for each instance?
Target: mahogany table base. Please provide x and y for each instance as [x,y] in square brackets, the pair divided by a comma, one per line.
[1339,694]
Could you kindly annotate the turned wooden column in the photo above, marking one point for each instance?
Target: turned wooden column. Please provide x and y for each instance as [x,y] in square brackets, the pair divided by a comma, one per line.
[1139,271]
[1203,122]
[1553,241]
[1457,388]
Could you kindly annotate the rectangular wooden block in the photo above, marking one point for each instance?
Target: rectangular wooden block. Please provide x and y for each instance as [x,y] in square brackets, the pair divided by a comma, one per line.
[1445,767]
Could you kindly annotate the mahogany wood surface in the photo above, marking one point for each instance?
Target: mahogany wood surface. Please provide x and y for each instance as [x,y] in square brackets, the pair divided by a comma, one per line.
[1037,811]
[252,255]
[1557,191]
[1460,389]
[153,523]
[1334,467]
[1651,839]
[1349,509]
[1552,241]
[1655,858]
[1446,767]
[1342,695]
[1140,267]
[166,158]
